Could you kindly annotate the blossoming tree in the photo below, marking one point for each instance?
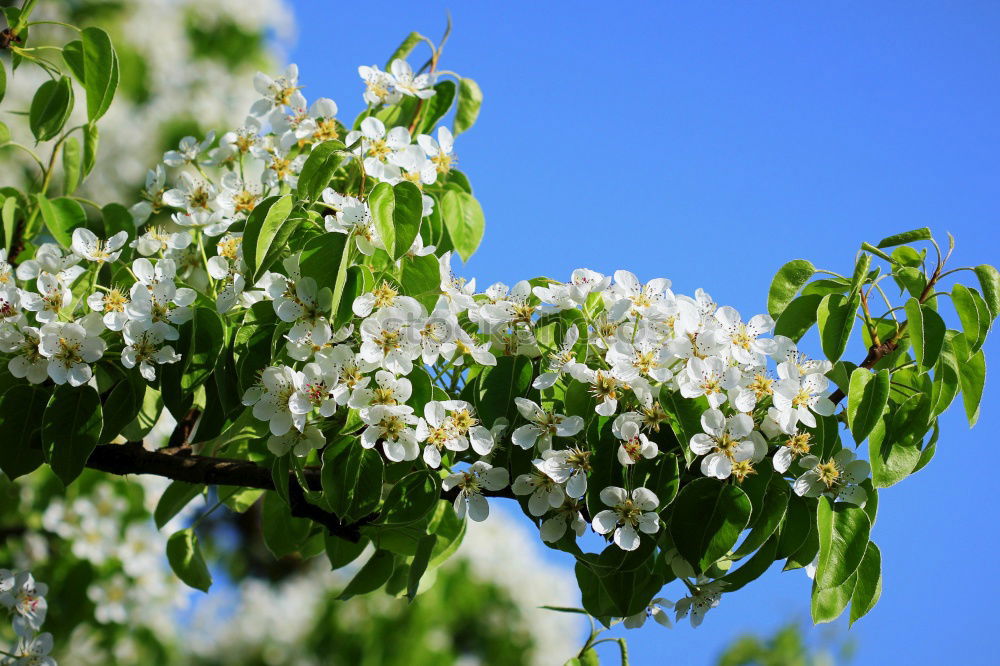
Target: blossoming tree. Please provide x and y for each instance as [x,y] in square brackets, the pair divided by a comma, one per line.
[285,294]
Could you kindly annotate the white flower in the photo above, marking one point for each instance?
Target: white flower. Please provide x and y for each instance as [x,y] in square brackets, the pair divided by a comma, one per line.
[379,86]
[20,594]
[53,297]
[635,445]
[144,347]
[109,597]
[471,483]
[314,390]
[386,339]
[796,445]
[352,217]
[708,377]
[157,239]
[191,195]
[278,92]
[457,292]
[408,84]
[70,347]
[567,516]
[188,151]
[212,223]
[741,340]
[440,151]
[705,597]
[454,431]
[568,467]
[271,399]
[392,424]
[300,443]
[90,247]
[377,145]
[838,477]
[726,441]
[34,651]
[545,492]
[560,361]
[656,610]
[785,350]
[607,386]
[111,304]
[628,512]
[28,362]
[628,296]
[797,397]
[542,425]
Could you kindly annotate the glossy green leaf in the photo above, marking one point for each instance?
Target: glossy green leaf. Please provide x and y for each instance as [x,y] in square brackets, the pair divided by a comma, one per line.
[72,159]
[894,446]
[3,81]
[843,538]
[71,428]
[798,317]
[419,564]
[90,141]
[341,552]
[50,107]
[100,67]
[404,48]
[753,568]
[974,313]
[470,99]
[866,401]
[262,227]
[827,604]
[61,217]
[498,386]
[283,534]
[396,212]
[72,54]
[926,330]
[176,496]
[351,478]
[373,575]
[766,518]
[989,282]
[921,234]
[121,406]
[972,380]
[412,498]
[707,519]
[318,169]
[184,555]
[463,216]
[835,316]
[861,268]
[868,588]
[22,407]
[4,133]
[436,107]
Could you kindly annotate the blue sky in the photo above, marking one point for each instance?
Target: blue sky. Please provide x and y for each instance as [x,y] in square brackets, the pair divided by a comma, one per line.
[711,143]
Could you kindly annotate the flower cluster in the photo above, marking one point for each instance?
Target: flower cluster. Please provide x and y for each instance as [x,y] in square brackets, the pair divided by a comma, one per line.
[24,598]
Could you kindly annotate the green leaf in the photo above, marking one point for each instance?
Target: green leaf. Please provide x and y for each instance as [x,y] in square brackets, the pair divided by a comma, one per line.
[90,141]
[974,313]
[843,538]
[342,552]
[895,446]
[419,564]
[868,588]
[118,218]
[786,283]
[989,281]
[498,386]
[184,555]
[835,315]
[753,568]
[121,407]
[921,234]
[262,227]
[199,344]
[21,410]
[373,575]
[325,259]
[470,99]
[422,279]
[463,217]
[404,48]
[176,496]
[868,247]
[412,498]
[798,317]
[3,81]
[972,380]
[396,212]
[351,478]
[100,68]
[861,268]
[61,217]
[946,382]
[72,159]
[766,518]
[926,332]
[4,133]
[436,107]
[283,534]
[72,54]
[707,519]
[50,108]
[828,603]
[71,428]
[866,401]
[318,169]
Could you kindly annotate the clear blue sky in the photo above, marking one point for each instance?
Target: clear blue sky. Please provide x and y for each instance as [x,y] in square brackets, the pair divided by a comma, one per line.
[710,143]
